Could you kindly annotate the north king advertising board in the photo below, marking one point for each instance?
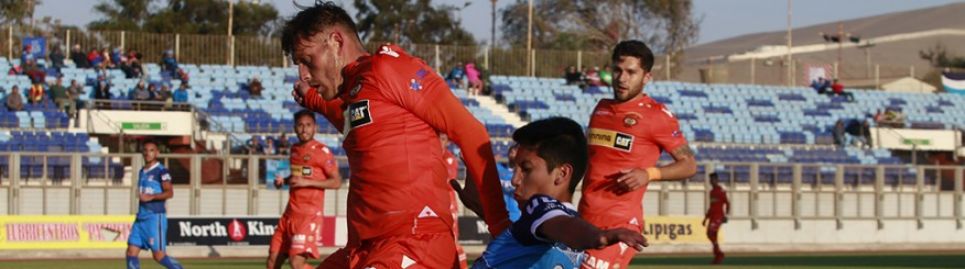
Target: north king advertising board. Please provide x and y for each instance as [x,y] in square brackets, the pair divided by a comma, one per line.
[232,231]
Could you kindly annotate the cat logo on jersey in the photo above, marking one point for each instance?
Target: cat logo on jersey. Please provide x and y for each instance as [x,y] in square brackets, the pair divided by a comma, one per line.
[613,139]
[359,114]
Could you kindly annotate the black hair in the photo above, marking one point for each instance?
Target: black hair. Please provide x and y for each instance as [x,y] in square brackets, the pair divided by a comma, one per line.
[713,175]
[304,113]
[312,20]
[558,141]
[150,141]
[634,48]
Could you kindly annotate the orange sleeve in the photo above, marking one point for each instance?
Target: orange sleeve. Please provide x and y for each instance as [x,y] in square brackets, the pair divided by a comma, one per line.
[327,162]
[331,109]
[665,131]
[436,105]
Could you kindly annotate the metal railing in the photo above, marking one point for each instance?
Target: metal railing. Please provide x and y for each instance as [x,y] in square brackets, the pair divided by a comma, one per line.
[512,61]
[64,183]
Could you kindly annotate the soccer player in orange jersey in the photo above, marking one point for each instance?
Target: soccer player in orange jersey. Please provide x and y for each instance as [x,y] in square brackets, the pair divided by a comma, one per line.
[314,169]
[716,215]
[626,136]
[452,167]
[390,107]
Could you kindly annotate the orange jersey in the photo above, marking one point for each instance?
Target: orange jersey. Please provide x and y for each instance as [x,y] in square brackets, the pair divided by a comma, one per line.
[452,164]
[314,161]
[624,136]
[390,109]
[718,198]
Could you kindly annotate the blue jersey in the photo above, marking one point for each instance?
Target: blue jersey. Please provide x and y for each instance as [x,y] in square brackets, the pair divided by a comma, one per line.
[521,246]
[149,181]
[506,180]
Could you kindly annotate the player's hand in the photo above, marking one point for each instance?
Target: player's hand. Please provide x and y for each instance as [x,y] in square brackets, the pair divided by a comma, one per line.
[279,181]
[724,220]
[144,197]
[631,180]
[469,196]
[704,222]
[299,90]
[297,182]
[623,235]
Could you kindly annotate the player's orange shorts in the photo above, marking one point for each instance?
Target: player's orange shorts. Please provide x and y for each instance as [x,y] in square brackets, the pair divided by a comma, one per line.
[615,256]
[416,251]
[297,235]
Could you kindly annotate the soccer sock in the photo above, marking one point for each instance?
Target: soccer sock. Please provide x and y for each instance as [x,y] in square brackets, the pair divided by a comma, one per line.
[170,263]
[133,262]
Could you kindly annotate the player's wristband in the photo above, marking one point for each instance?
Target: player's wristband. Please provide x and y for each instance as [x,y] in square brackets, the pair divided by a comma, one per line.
[654,174]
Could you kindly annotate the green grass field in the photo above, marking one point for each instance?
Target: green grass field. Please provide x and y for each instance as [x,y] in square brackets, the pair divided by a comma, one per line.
[823,261]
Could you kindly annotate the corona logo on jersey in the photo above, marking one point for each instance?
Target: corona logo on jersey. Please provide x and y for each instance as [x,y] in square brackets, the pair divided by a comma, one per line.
[611,139]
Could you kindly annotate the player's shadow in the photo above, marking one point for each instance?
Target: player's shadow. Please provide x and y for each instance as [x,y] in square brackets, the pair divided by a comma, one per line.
[213,253]
[888,260]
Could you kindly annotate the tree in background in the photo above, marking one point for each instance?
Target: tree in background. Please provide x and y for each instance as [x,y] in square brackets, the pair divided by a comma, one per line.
[17,11]
[411,22]
[940,59]
[186,17]
[668,26]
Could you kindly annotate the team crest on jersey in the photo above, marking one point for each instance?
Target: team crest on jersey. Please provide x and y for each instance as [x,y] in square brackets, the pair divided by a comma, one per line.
[359,114]
[306,157]
[611,139]
[415,85]
[629,121]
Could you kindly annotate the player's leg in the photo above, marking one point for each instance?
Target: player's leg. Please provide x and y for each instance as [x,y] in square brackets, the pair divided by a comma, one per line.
[300,262]
[158,243]
[278,246]
[614,256]
[131,256]
[341,258]
[408,252]
[135,241]
[304,239]
[712,231]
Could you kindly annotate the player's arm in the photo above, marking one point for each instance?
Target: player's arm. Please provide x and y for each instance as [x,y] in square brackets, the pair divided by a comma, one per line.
[579,234]
[726,204]
[436,105]
[167,190]
[310,99]
[665,132]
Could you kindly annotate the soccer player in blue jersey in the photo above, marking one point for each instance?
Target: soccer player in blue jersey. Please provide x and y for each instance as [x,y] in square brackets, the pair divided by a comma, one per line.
[149,230]
[550,161]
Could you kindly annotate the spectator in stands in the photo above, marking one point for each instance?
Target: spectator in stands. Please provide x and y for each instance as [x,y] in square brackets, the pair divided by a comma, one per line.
[131,65]
[181,94]
[15,99]
[15,70]
[107,54]
[475,79]
[103,93]
[27,55]
[77,55]
[254,145]
[838,132]
[117,57]
[57,58]
[284,146]
[839,90]
[164,95]
[593,77]
[457,76]
[269,148]
[820,85]
[255,87]
[573,76]
[169,64]
[37,79]
[74,92]
[860,132]
[95,58]
[606,75]
[141,92]
[62,97]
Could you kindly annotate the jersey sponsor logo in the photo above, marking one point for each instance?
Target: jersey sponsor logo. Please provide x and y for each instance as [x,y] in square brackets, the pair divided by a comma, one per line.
[386,50]
[359,114]
[306,171]
[595,263]
[612,139]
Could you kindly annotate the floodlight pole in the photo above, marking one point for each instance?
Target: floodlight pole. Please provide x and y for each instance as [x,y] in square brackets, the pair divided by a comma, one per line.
[529,40]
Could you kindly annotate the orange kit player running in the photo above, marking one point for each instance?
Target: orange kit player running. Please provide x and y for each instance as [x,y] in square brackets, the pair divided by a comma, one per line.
[716,215]
[452,167]
[390,107]
[627,134]
[313,170]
